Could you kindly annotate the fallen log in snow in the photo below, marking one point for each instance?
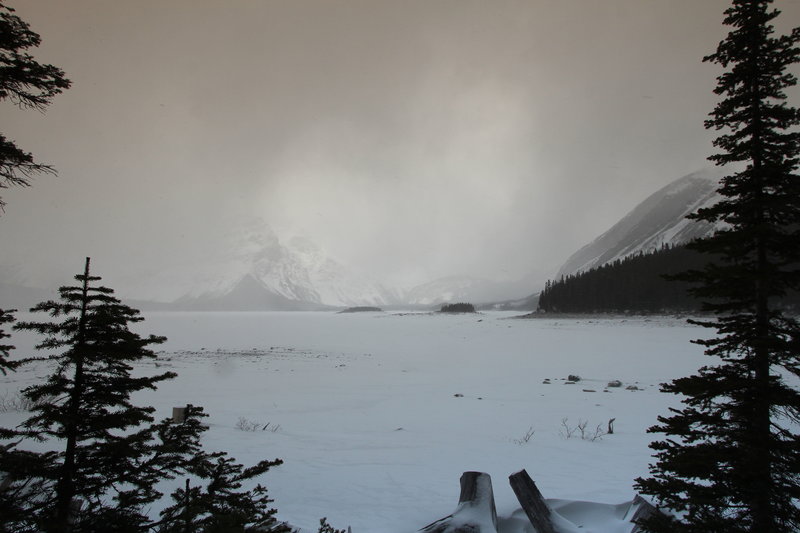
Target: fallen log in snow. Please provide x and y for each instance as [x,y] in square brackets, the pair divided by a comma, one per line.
[532,502]
[640,509]
[476,511]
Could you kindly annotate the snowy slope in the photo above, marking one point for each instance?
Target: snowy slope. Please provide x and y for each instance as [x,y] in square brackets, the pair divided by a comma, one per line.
[660,219]
[334,283]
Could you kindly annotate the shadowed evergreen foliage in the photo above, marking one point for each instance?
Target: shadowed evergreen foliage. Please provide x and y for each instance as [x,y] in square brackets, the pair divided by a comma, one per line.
[730,461]
[642,283]
[6,317]
[362,309]
[635,284]
[113,455]
[219,504]
[109,463]
[325,527]
[29,85]
[459,307]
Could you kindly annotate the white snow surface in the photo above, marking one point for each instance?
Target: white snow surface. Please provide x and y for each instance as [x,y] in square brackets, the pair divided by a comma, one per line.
[378,414]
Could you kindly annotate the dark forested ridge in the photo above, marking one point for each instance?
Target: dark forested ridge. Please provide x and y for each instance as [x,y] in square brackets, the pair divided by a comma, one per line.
[635,284]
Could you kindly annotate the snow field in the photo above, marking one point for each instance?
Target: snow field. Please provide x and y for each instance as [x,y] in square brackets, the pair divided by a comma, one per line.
[380,413]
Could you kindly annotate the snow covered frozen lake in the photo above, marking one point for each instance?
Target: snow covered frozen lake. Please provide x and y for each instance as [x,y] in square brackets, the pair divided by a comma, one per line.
[376,415]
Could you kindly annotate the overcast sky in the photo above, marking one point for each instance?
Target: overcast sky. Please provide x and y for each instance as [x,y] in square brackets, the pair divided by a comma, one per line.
[415,138]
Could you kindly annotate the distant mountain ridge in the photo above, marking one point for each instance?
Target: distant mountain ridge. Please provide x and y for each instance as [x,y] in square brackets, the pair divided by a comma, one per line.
[256,270]
[452,289]
[20,297]
[250,268]
[248,294]
[659,220]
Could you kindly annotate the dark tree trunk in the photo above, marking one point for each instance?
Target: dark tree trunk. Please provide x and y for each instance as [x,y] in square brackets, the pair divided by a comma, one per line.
[65,490]
[532,501]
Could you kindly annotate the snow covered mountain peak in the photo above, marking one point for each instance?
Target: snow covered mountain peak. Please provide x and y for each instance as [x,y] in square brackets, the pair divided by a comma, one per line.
[250,258]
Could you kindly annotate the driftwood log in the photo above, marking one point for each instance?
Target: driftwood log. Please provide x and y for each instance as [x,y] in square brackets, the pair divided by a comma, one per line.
[532,502]
[476,512]
[641,509]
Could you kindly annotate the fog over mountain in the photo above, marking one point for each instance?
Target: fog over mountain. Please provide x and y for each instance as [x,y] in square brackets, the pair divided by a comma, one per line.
[253,268]
[387,145]
[252,256]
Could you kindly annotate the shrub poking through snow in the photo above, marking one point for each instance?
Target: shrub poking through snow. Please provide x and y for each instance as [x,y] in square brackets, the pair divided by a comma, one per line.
[244,424]
[582,430]
[524,439]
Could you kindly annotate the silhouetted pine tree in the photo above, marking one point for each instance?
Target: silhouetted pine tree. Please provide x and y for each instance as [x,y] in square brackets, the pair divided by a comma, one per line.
[106,472]
[731,458]
[220,505]
[28,84]
[113,454]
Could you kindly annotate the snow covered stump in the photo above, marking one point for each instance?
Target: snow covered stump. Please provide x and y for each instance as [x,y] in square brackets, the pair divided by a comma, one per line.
[178,415]
[532,501]
[475,513]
